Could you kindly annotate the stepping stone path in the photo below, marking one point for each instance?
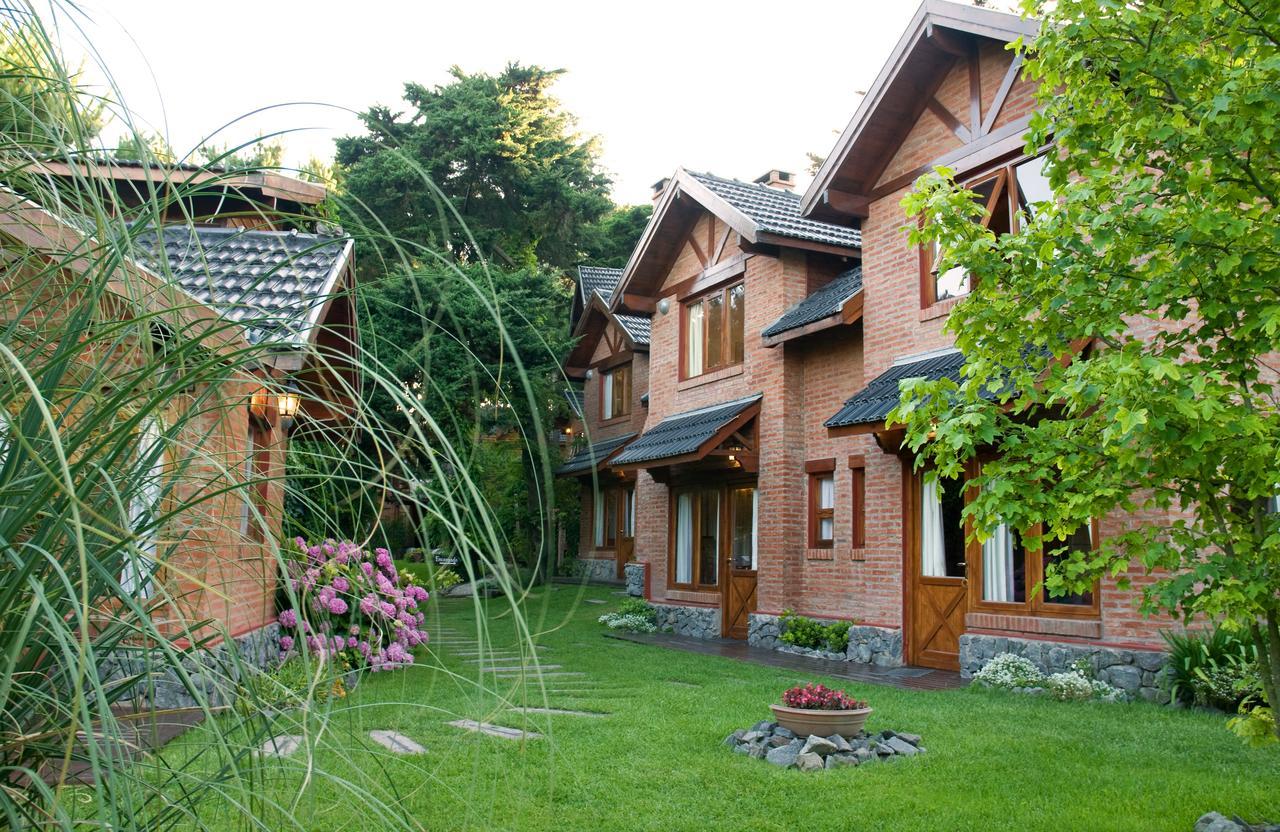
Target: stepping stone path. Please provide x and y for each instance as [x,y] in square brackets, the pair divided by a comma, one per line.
[532,670]
[398,743]
[596,601]
[281,746]
[559,712]
[500,731]
[518,672]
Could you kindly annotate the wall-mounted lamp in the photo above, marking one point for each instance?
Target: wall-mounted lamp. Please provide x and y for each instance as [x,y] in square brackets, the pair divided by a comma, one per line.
[664,306]
[591,374]
[287,403]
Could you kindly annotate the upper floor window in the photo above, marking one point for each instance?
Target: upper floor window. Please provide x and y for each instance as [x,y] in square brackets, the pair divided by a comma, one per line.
[615,392]
[713,327]
[1005,194]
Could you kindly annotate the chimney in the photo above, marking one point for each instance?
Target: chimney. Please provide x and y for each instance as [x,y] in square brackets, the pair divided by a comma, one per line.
[778,179]
[659,188]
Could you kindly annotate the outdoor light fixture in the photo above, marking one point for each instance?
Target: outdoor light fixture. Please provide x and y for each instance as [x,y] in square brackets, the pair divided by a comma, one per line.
[591,374]
[287,404]
[664,306]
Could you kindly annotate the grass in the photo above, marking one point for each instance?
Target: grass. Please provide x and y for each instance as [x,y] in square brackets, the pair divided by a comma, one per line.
[996,760]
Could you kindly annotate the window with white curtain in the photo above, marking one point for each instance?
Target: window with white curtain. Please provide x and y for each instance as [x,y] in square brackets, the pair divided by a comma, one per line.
[684,538]
[693,340]
[606,396]
[1004,567]
[598,519]
[941,527]
[144,510]
[822,509]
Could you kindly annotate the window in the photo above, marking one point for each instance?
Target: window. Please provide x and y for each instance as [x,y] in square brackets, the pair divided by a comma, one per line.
[696,549]
[713,331]
[615,392]
[144,511]
[613,516]
[822,506]
[942,548]
[742,506]
[1007,194]
[858,502]
[257,469]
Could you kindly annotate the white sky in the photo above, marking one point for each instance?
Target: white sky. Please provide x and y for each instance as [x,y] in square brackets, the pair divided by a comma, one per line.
[733,88]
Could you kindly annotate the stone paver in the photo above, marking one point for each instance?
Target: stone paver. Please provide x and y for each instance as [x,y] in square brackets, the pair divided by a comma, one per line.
[532,672]
[281,746]
[559,712]
[530,669]
[398,743]
[495,730]
[596,601]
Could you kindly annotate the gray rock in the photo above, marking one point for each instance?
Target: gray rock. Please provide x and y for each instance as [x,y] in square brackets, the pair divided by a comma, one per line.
[397,743]
[914,739]
[1214,822]
[1126,677]
[742,748]
[836,760]
[777,741]
[818,745]
[786,755]
[784,732]
[764,726]
[902,747]
[1150,661]
[809,762]
[753,736]
[863,755]
[758,751]
[734,738]
[839,742]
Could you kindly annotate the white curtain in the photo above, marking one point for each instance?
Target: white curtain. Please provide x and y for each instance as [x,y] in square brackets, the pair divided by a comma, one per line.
[693,341]
[755,525]
[684,539]
[997,566]
[608,395]
[599,519]
[629,521]
[933,557]
[144,508]
[827,500]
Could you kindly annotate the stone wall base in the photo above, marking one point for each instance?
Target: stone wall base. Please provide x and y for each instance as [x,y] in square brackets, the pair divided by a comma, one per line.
[879,646]
[697,622]
[1139,673]
[596,569]
[635,579]
[214,672]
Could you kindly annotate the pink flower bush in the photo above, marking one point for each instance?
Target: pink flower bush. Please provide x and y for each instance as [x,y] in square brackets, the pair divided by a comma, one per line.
[813,697]
[352,606]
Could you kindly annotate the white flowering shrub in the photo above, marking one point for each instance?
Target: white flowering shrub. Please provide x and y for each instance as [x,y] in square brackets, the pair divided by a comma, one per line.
[627,621]
[1009,671]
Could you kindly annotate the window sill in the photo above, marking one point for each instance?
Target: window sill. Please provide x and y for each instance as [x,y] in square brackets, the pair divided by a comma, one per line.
[711,598]
[616,420]
[858,554]
[1078,627]
[820,553]
[708,378]
[941,309]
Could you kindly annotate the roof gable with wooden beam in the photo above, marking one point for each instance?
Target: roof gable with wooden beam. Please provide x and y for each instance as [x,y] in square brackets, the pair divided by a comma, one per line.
[748,214]
[600,329]
[951,70]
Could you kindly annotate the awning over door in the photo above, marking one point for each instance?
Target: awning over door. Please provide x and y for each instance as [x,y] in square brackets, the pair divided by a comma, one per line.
[688,436]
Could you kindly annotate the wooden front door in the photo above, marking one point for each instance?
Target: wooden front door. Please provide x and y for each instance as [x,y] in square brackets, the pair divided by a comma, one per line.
[739,586]
[625,550]
[936,565]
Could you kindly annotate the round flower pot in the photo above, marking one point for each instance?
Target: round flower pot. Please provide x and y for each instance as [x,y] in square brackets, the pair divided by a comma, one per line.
[804,721]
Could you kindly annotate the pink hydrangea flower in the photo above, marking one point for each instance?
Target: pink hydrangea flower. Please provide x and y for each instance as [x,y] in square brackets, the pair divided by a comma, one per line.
[288,618]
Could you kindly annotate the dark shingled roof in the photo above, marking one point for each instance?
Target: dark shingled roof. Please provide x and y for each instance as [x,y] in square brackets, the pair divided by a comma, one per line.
[599,279]
[683,433]
[873,402]
[273,282]
[573,394]
[592,455]
[637,326]
[823,303]
[777,211]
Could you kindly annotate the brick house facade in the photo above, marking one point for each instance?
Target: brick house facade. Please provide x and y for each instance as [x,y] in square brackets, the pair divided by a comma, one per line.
[845,527]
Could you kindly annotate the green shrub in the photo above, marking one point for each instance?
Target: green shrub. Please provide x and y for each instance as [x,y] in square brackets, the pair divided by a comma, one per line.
[1213,668]
[799,631]
[428,575]
[640,607]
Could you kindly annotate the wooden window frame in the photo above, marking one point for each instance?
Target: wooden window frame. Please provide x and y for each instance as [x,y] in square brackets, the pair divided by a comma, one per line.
[725,330]
[609,537]
[725,541]
[623,370]
[819,470]
[857,502]
[1005,176]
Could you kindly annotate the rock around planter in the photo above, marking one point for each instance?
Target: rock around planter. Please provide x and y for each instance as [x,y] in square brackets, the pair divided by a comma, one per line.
[806,721]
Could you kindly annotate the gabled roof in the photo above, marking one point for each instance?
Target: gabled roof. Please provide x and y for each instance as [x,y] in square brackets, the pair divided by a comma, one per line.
[692,433]
[275,283]
[758,213]
[601,280]
[827,302]
[593,457]
[896,99]
[873,402]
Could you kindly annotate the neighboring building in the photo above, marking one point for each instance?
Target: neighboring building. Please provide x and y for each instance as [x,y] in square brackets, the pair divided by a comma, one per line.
[765,476]
[611,359]
[285,294]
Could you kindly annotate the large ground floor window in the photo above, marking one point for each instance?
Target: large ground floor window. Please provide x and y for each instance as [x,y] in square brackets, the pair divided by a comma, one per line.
[614,515]
[710,525]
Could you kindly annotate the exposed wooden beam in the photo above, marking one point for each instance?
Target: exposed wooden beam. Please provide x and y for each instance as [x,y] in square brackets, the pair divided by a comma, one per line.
[997,103]
[697,250]
[807,245]
[638,304]
[948,118]
[975,90]
[719,248]
[978,152]
[844,202]
[947,40]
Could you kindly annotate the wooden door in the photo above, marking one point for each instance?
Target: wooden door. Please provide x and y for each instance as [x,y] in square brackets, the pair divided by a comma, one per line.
[739,586]
[938,588]
[625,547]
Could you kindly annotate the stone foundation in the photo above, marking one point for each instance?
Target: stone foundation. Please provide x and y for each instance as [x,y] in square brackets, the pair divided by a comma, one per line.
[879,646]
[698,622]
[594,569]
[635,579]
[1139,673]
[213,672]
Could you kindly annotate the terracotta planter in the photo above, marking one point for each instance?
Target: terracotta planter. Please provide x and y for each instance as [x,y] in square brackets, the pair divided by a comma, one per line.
[804,721]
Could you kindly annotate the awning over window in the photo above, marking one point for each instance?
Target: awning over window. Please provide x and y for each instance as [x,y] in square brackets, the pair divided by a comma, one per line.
[593,457]
[688,436]
[840,301]
[873,402]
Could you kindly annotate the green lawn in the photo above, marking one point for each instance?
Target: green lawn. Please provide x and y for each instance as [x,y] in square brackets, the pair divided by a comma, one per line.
[995,761]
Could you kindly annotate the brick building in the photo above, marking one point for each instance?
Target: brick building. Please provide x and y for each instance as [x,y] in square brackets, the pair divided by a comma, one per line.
[792,421]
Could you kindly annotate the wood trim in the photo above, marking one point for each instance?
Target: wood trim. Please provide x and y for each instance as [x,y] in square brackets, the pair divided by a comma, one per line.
[846,203]
[816,513]
[851,312]
[820,466]
[857,461]
[948,118]
[964,159]
[697,249]
[711,278]
[1002,93]
[857,504]
[801,331]
[719,247]
[975,89]
[765,238]
[726,332]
